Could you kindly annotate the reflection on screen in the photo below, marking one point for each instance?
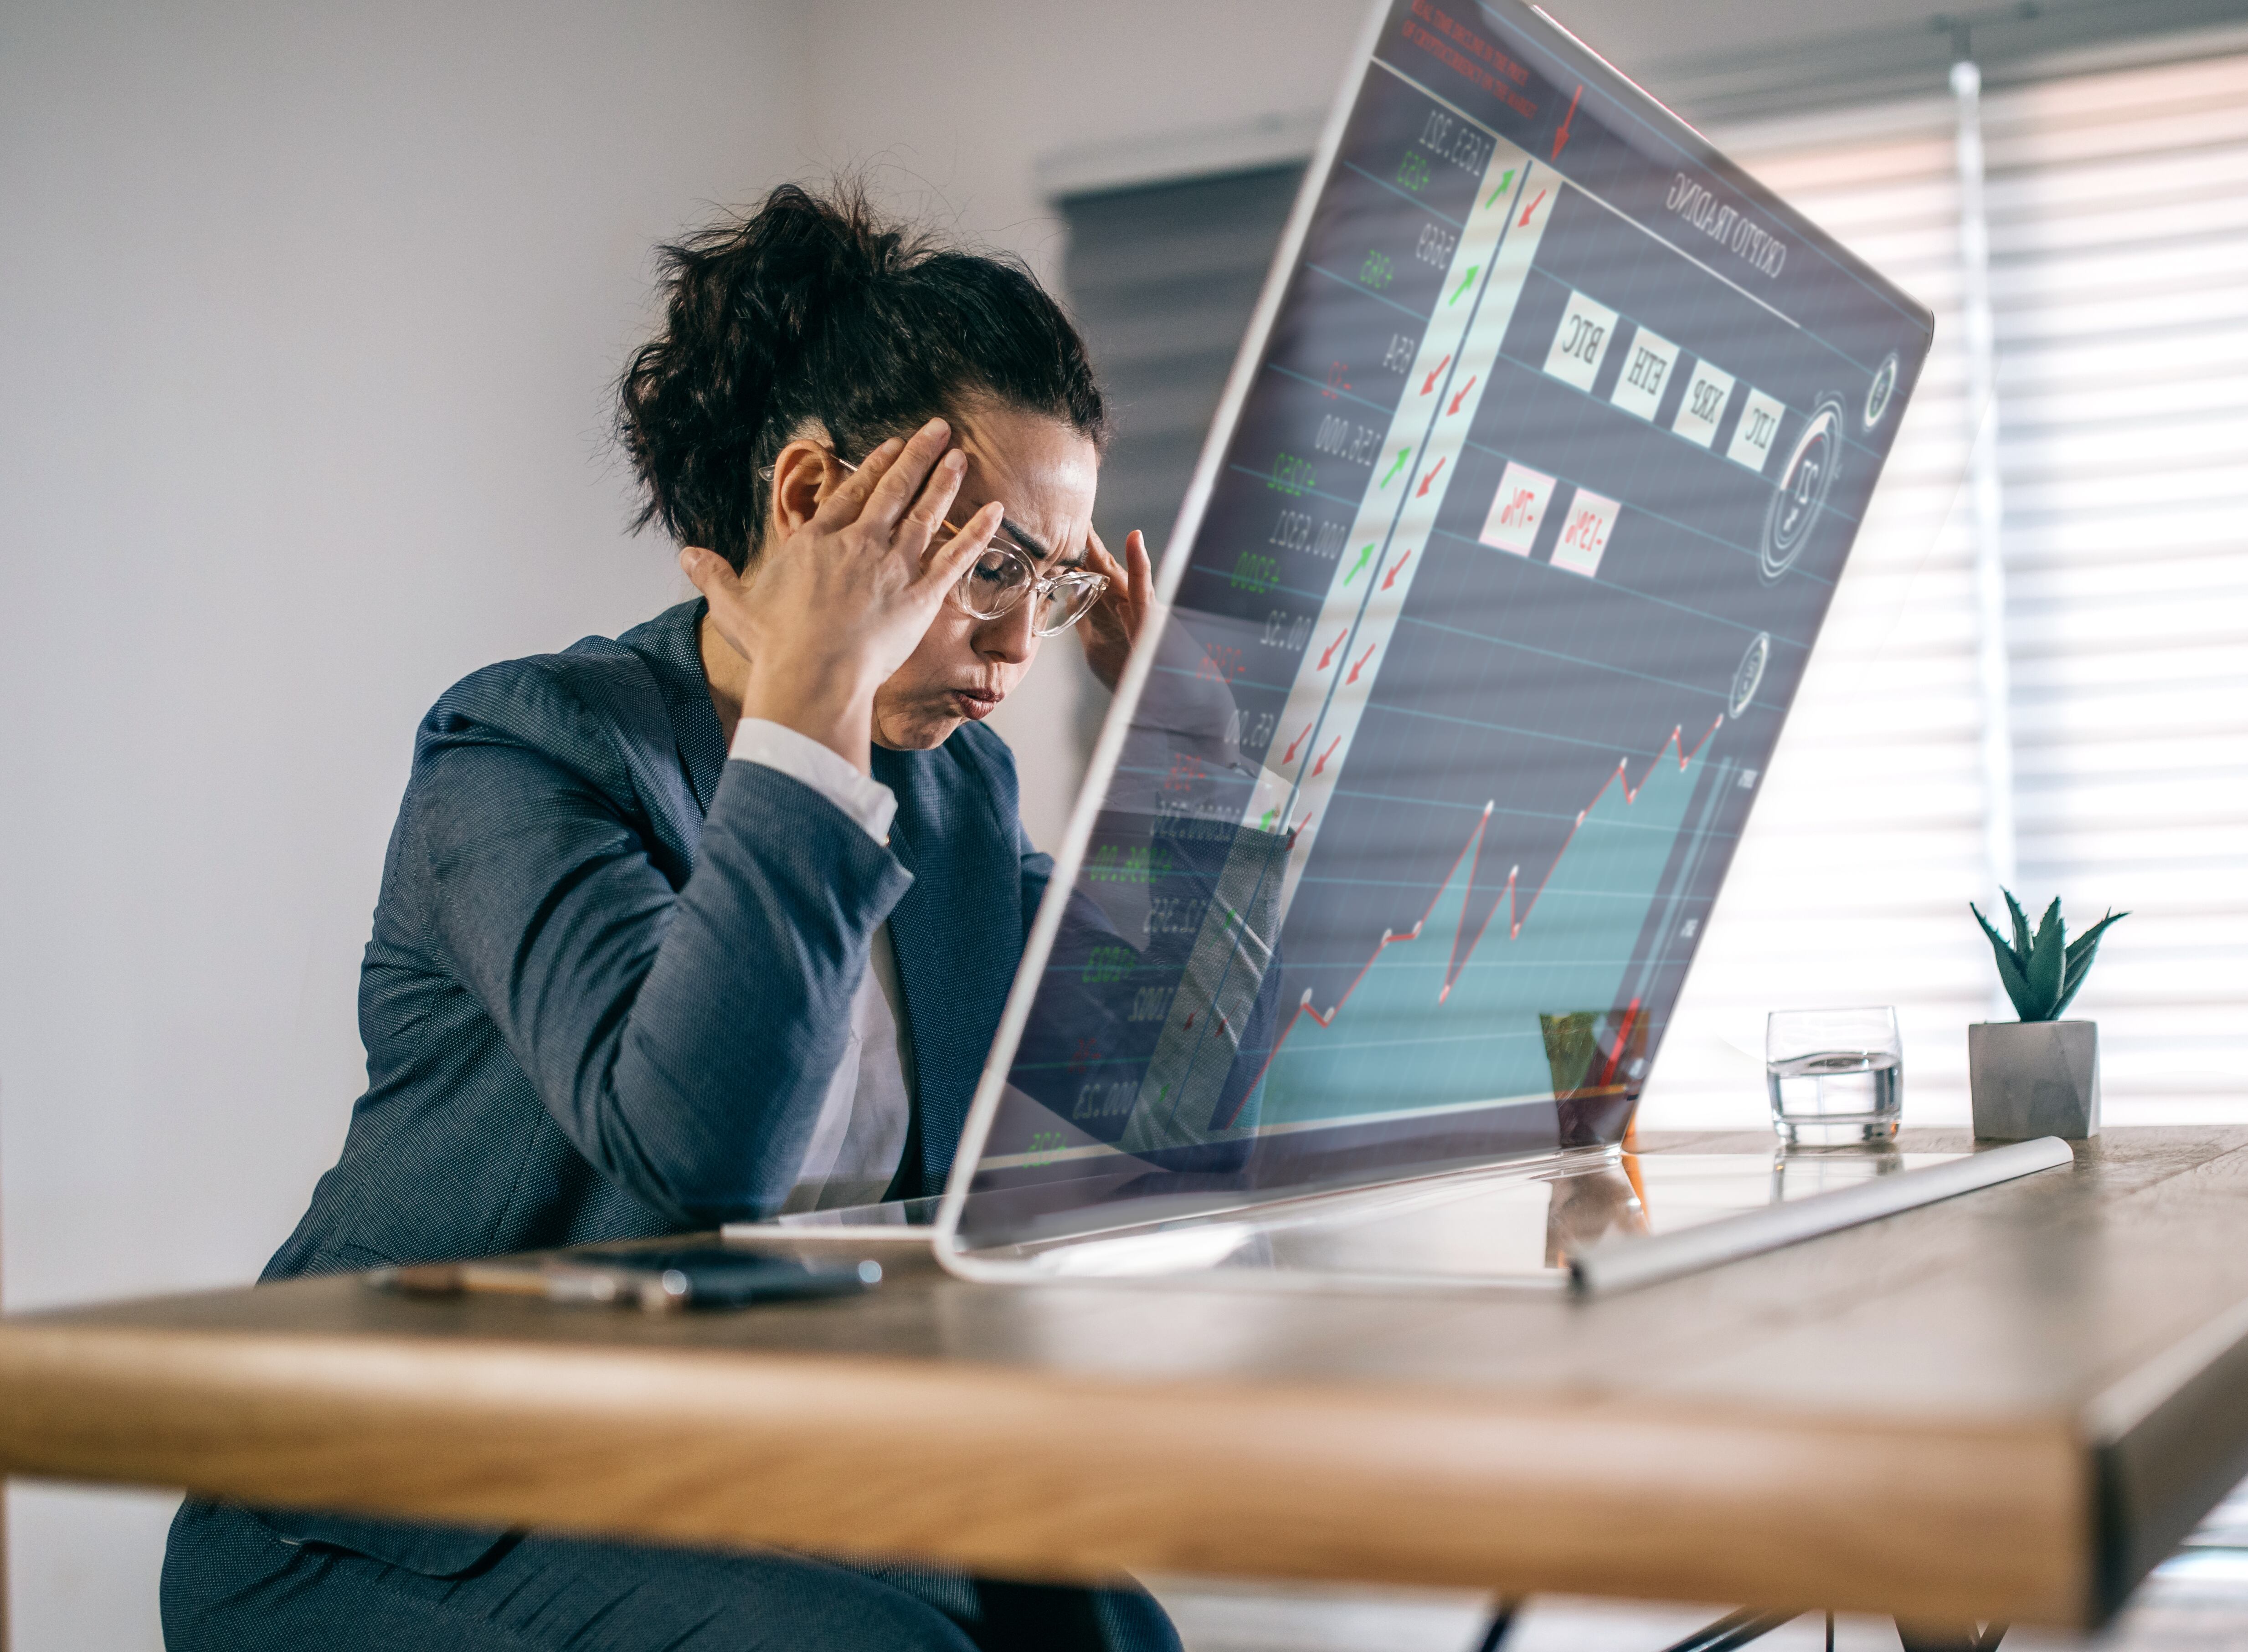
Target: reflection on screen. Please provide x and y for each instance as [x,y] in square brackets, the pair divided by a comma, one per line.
[1515,1226]
[1508,570]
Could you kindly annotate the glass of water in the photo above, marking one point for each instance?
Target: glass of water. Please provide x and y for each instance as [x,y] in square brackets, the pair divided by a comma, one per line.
[1836,1076]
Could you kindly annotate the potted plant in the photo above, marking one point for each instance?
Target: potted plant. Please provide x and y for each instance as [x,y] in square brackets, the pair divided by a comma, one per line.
[2040,1075]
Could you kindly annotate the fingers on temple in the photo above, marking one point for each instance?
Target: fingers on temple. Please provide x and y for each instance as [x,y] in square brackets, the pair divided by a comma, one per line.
[1102,559]
[1130,580]
[898,485]
[843,505]
[928,513]
[949,560]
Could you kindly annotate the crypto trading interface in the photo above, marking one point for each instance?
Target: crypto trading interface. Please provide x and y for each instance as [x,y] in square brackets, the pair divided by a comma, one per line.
[1507,567]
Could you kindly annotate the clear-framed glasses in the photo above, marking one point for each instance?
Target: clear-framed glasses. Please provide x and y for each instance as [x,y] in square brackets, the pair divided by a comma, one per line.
[1004,573]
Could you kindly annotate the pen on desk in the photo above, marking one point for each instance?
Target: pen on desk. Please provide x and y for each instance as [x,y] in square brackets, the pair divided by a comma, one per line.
[657,1280]
[453,1279]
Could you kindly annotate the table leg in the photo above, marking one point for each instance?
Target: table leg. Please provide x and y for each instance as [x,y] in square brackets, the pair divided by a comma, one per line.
[1738,1628]
[1502,1618]
[1923,1637]
[1735,1628]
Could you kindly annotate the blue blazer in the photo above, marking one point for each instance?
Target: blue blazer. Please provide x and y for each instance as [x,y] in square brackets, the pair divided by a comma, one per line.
[611,972]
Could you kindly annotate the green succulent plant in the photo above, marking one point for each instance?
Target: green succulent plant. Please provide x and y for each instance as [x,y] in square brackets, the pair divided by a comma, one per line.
[2041,973]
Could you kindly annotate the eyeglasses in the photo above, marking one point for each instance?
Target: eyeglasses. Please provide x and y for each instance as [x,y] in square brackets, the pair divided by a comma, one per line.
[1004,574]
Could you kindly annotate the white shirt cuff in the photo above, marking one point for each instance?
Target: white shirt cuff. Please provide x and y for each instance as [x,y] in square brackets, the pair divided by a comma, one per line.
[802,758]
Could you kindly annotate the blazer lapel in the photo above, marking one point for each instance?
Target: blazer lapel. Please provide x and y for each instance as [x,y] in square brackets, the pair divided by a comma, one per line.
[957,935]
[668,644]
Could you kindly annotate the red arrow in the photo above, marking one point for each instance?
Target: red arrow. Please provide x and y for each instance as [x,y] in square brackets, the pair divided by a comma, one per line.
[1423,492]
[1561,136]
[1390,577]
[1324,756]
[1293,744]
[1362,659]
[1433,372]
[1457,400]
[1327,658]
[1523,224]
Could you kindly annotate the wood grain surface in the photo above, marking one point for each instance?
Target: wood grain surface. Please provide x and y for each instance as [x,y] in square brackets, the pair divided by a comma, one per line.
[2006,1405]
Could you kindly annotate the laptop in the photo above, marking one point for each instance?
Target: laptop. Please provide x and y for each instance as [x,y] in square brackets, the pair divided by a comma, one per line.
[1497,574]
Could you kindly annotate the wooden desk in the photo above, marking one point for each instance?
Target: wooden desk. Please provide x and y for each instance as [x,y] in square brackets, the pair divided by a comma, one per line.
[2010,1406]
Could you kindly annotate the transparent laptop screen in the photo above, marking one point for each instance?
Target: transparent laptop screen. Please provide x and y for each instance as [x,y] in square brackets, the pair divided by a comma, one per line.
[1500,574]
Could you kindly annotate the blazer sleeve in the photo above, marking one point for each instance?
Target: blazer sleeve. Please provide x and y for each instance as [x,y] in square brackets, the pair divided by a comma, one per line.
[682,1038]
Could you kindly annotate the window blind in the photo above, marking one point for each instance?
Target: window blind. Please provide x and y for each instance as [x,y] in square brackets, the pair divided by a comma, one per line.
[2115,237]
[2119,237]
[1162,279]
[1851,884]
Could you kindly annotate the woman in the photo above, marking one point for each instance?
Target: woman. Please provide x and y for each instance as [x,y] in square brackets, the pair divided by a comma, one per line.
[716,919]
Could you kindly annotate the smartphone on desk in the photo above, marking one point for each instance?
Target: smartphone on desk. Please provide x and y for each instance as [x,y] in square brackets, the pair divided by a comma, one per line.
[702,1276]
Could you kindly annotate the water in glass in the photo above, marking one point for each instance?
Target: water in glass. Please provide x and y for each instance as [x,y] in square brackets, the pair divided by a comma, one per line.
[1836,1076]
[1831,1097]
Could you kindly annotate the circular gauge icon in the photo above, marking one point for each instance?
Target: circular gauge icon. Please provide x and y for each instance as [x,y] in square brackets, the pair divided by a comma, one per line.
[1748,674]
[1881,390]
[1803,485]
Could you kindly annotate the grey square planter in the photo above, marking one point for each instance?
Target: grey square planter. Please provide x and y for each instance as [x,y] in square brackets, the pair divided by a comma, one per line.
[2034,1078]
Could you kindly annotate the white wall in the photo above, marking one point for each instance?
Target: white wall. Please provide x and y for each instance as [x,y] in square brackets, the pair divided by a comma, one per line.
[308,316]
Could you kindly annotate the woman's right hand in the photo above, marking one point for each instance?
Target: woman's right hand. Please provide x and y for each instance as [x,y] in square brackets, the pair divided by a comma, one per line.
[826,615]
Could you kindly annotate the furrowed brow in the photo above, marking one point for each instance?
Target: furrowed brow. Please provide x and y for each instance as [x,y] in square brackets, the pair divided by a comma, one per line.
[1038,549]
[1011,529]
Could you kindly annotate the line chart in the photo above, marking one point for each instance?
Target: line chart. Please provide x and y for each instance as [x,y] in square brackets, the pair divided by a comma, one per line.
[1589,908]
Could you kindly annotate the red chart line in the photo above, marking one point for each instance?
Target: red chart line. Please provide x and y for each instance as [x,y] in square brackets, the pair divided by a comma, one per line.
[1519,913]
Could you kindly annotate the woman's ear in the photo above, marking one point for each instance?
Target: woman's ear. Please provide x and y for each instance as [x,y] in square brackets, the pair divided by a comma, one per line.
[802,476]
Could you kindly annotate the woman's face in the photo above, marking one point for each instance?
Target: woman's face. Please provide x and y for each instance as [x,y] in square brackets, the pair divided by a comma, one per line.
[1043,473]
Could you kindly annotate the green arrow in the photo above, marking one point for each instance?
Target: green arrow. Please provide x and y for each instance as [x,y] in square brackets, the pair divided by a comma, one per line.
[1403,454]
[1466,281]
[1499,191]
[1365,556]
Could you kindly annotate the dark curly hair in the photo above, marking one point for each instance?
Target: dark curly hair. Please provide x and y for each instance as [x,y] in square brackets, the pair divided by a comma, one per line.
[817,312]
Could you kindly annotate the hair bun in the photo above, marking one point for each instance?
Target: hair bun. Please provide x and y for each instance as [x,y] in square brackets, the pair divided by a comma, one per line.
[818,312]
[800,259]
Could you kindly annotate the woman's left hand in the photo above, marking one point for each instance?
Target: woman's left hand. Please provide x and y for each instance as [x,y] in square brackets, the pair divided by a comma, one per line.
[1117,619]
